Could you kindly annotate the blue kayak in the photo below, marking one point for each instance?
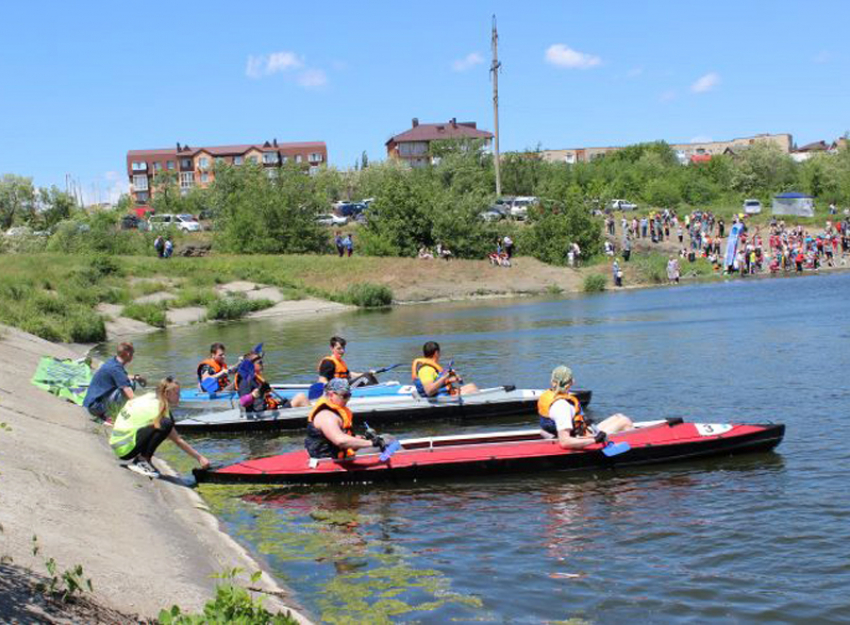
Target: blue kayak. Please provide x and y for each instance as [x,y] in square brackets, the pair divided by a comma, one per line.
[196,399]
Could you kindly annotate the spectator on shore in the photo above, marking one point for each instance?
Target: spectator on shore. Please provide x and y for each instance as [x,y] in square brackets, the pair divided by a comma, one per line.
[144,423]
[340,248]
[169,248]
[509,246]
[627,248]
[617,273]
[159,246]
[348,244]
[110,387]
[445,253]
[673,270]
[424,254]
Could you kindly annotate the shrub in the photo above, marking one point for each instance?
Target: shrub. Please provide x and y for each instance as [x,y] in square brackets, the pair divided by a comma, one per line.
[367,295]
[594,283]
[151,313]
[86,327]
[232,604]
[230,308]
[194,297]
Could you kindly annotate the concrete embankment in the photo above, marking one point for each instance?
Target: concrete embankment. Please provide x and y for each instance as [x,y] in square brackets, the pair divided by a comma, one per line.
[146,545]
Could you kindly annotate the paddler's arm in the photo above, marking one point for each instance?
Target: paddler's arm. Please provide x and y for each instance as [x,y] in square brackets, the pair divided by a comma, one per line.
[433,387]
[328,423]
[573,442]
[188,449]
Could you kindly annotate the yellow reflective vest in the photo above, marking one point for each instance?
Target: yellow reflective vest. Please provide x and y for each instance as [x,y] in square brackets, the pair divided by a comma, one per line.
[137,413]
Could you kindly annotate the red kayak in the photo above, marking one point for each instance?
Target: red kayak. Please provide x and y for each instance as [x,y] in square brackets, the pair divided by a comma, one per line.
[505,452]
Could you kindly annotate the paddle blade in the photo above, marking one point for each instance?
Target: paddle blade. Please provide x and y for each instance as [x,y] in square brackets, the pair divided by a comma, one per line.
[210,385]
[246,369]
[315,391]
[258,349]
[390,450]
[615,449]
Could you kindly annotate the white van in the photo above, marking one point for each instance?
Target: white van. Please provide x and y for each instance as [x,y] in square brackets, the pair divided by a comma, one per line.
[186,223]
[752,207]
[519,207]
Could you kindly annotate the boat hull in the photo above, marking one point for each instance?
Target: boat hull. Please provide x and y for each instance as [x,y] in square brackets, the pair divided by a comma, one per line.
[194,399]
[490,403]
[500,453]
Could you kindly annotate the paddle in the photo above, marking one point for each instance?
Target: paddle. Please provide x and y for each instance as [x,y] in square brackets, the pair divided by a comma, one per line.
[210,385]
[387,449]
[615,449]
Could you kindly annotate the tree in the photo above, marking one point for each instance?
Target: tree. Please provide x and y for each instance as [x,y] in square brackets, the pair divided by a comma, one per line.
[55,206]
[364,160]
[17,200]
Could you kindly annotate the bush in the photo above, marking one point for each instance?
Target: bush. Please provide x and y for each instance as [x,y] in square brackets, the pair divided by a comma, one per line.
[232,604]
[367,295]
[594,283]
[230,308]
[194,297]
[150,313]
[86,327]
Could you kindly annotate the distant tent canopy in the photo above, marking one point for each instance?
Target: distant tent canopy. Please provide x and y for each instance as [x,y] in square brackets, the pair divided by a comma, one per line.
[793,203]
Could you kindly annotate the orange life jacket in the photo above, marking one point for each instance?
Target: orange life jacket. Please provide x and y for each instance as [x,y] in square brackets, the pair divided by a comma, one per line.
[216,367]
[343,412]
[340,368]
[544,403]
[272,402]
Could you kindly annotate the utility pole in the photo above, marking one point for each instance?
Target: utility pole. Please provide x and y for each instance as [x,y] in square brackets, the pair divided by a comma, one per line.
[494,73]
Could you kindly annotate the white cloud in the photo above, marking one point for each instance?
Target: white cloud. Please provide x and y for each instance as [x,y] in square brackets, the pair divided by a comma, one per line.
[824,56]
[701,139]
[635,72]
[468,62]
[561,55]
[667,96]
[312,78]
[267,64]
[706,83]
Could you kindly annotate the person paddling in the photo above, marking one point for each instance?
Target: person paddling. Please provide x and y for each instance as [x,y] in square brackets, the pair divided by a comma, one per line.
[333,365]
[431,379]
[110,386]
[561,415]
[214,368]
[330,424]
[143,425]
[256,395]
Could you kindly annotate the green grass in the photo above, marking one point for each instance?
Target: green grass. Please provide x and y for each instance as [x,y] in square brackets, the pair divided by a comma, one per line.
[151,313]
[594,283]
[366,295]
[230,308]
[194,296]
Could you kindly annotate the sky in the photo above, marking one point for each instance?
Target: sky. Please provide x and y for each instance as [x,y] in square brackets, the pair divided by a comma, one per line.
[81,83]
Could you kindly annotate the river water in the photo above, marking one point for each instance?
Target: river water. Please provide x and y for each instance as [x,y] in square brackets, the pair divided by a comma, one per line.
[752,539]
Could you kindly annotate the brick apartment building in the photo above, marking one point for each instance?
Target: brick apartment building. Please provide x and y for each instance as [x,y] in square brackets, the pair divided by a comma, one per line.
[194,167]
[414,146]
[687,152]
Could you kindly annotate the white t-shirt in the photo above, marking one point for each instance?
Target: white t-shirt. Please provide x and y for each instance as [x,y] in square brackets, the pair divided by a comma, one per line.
[562,413]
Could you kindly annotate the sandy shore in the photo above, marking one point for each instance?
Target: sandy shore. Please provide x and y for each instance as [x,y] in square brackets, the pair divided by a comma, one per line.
[146,545]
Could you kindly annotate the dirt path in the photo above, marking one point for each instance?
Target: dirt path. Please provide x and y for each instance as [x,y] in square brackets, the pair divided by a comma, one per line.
[145,544]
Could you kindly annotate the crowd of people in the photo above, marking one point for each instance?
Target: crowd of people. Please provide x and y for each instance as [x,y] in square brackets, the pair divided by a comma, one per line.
[163,246]
[344,244]
[503,254]
[701,234]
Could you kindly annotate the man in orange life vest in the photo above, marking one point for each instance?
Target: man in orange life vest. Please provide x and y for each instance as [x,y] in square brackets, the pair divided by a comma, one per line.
[429,376]
[214,367]
[560,414]
[330,424]
[334,366]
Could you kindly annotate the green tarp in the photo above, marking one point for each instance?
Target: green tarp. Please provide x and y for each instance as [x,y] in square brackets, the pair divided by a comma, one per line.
[66,378]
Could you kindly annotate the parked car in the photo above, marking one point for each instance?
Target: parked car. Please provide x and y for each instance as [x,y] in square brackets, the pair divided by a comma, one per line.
[133,222]
[621,205]
[497,212]
[186,223]
[519,207]
[752,207]
[330,219]
[349,209]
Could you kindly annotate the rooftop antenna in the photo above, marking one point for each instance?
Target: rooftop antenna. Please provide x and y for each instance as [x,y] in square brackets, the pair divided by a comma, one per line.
[495,66]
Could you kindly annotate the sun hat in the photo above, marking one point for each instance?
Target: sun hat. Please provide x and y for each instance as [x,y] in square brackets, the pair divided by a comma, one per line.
[562,377]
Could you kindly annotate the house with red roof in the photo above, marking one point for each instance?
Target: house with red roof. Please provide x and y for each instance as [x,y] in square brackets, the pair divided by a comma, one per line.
[194,167]
[414,146]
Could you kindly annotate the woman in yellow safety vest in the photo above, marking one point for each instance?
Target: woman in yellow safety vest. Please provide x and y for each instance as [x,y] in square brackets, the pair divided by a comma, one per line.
[143,425]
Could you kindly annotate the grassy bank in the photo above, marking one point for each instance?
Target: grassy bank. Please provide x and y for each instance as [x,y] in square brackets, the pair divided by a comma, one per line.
[54,295]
